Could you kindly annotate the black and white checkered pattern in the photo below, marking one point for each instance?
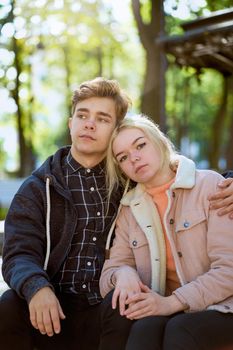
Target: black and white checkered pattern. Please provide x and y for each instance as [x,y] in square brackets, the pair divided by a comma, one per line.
[81,270]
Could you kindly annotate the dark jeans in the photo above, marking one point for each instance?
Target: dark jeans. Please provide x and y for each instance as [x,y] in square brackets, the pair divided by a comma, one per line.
[80,329]
[206,330]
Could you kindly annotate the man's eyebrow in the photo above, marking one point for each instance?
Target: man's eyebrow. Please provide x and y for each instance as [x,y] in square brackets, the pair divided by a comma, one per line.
[83,109]
[138,138]
[104,114]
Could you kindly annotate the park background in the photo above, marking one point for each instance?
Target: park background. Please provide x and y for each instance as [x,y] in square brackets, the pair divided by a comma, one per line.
[47,48]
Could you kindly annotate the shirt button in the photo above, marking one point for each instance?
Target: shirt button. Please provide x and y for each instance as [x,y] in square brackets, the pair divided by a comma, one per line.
[186,224]
[92,189]
[135,243]
[98,213]
[94,239]
[88,263]
[179,254]
[84,286]
[88,170]
[171,221]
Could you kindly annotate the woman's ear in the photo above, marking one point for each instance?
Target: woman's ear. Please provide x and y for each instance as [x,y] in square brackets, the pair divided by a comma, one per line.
[173,164]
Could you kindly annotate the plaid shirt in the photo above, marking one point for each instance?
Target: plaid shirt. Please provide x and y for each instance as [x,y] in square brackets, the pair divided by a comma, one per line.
[81,270]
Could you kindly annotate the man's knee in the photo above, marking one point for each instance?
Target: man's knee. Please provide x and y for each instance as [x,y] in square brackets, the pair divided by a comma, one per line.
[12,309]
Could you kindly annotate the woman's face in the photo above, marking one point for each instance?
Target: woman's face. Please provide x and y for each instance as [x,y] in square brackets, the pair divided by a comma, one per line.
[138,157]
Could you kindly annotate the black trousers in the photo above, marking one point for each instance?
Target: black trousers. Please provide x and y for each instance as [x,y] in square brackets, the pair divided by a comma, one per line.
[80,329]
[206,330]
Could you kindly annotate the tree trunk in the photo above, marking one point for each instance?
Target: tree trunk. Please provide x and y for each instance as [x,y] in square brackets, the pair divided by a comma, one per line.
[66,135]
[26,157]
[229,148]
[153,94]
[217,128]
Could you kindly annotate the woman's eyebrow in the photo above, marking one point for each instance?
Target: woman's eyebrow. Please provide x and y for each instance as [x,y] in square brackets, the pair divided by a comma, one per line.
[138,138]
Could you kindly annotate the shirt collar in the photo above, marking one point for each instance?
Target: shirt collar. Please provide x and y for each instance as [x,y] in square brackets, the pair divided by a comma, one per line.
[73,166]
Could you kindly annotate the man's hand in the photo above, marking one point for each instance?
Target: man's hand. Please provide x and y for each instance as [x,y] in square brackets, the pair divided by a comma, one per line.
[46,312]
[223,199]
[127,284]
[150,303]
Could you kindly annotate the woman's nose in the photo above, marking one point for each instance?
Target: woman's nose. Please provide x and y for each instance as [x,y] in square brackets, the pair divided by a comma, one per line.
[135,157]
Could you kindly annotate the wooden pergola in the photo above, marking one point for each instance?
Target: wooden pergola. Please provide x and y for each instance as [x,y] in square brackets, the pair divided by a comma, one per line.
[207,42]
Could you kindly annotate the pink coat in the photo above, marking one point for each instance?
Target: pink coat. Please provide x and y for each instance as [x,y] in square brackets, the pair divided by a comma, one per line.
[201,241]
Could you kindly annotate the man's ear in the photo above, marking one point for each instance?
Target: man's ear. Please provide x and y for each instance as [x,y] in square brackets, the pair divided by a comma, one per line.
[69,122]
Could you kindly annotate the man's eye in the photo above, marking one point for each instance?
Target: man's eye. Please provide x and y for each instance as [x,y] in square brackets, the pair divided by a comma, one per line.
[141,145]
[81,116]
[104,120]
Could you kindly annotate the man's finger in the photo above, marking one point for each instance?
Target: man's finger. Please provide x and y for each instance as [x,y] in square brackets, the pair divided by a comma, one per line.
[226,210]
[40,323]
[33,318]
[48,323]
[220,203]
[225,183]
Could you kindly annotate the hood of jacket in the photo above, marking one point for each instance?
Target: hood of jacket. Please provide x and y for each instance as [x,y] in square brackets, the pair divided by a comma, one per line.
[52,168]
[185,178]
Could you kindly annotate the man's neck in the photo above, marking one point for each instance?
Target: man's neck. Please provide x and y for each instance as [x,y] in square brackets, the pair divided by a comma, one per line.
[87,161]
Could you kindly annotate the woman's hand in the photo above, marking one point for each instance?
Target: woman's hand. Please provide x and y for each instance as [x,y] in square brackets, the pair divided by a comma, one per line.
[223,199]
[149,303]
[126,285]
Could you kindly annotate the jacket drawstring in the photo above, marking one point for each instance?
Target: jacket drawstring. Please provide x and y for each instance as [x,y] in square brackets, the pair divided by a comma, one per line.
[48,240]
[108,242]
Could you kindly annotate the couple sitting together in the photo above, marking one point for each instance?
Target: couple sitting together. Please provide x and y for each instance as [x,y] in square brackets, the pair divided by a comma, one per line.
[167,280]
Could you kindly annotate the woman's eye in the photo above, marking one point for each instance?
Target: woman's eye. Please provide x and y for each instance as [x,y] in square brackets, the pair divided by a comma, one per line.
[122,159]
[141,145]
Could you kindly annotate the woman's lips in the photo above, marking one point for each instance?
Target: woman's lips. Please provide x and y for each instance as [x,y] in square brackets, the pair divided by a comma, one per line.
[139,168]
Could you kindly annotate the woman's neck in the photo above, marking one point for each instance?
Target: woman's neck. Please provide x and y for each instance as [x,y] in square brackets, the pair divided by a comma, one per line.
[164,176]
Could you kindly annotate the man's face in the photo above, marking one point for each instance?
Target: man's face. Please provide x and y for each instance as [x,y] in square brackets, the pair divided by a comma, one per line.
[91,126]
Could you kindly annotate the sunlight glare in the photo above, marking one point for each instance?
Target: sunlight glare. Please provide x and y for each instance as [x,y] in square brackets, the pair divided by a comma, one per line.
[8,30]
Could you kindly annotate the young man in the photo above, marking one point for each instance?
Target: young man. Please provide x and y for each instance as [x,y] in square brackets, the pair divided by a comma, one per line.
[55,233]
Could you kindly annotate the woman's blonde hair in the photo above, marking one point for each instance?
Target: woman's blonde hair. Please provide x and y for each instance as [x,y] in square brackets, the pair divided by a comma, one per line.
[114,175]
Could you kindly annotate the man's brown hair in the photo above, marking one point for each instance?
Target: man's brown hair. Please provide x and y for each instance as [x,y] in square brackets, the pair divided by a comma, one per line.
[101,87]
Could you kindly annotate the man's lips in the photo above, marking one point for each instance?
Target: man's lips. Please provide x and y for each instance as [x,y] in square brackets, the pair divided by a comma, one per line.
[138,168]
[87,137]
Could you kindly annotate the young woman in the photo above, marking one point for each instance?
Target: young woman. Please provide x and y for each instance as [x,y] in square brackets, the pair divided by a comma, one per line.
[171,263]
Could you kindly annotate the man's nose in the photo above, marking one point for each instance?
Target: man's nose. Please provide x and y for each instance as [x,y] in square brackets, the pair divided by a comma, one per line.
[90,124]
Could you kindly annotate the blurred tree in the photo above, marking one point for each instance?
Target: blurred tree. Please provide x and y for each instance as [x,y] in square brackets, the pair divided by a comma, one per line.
[204,127]
[56,45]
[24,118]
[59,44]
[150,24]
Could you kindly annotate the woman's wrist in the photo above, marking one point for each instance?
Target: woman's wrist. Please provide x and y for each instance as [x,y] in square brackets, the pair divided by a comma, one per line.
[176,305]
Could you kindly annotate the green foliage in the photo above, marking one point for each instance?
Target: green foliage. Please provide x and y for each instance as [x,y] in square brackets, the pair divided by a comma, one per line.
[219,5]
[3,213]
[59,44]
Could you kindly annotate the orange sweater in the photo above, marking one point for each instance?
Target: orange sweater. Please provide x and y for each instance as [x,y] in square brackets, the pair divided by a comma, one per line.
[161,201]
